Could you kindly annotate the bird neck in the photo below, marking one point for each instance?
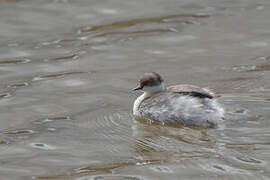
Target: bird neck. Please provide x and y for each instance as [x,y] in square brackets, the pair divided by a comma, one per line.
[150,91]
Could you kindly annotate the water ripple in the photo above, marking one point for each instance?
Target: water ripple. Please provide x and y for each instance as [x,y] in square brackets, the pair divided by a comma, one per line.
[15,61]
[42,146]
[65,58]
[17,85]
[128,23]
[5,95]
[115,177]
[19,132]
[249,160]
[55,75]
[96,169]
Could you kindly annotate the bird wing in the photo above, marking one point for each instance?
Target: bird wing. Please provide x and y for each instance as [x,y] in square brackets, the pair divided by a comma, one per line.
[191,90]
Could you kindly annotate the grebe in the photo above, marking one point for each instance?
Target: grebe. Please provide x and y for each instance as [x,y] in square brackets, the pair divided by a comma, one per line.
[184,104]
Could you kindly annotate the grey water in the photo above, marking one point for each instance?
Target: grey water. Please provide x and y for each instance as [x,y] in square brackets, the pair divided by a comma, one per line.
[66,73]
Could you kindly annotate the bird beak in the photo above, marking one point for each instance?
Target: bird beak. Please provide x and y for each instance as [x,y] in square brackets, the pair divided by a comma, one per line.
[137,88]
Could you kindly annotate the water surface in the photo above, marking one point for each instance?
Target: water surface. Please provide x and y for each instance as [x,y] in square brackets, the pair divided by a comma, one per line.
[67,68]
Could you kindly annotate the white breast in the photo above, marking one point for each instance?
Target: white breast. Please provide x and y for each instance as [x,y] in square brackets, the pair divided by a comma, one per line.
[148,92]
[137,103]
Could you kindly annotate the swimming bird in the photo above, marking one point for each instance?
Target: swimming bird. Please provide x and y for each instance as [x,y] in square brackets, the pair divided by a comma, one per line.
[185,104]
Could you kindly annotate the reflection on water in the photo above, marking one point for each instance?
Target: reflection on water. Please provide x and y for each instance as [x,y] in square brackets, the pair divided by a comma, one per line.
[67,69]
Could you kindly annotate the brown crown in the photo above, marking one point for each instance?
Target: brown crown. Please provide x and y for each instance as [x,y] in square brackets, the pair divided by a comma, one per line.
[151,78]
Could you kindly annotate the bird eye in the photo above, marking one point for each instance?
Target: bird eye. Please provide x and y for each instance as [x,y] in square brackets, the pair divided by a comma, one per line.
[147,83]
